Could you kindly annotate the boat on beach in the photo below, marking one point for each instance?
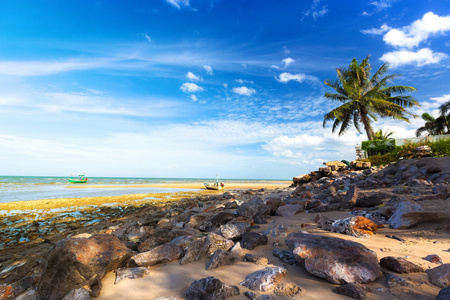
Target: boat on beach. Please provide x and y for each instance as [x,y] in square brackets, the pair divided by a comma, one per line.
[215,185]
[80,179]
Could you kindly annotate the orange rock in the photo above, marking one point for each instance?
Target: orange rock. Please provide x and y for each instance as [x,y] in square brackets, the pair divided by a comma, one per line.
[363,225]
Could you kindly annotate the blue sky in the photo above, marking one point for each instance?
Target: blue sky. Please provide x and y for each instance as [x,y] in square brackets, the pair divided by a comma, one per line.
[188,88]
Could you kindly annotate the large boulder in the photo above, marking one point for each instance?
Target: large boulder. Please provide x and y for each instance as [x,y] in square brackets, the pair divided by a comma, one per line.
[338,261]
[205,247]
[210,288]
[264,280]
[232,231]
[409,213]
[251,240]
[73,263]
[222,258]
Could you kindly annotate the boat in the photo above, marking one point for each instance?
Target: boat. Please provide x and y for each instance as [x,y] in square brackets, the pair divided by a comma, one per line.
[80,179]
[215,185]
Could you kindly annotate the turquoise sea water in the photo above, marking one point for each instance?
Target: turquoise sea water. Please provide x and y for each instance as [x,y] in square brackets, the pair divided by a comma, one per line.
[24,188]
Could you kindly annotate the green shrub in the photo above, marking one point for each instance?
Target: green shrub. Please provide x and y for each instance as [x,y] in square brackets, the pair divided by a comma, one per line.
[383,159]
[379,147]
[440,148]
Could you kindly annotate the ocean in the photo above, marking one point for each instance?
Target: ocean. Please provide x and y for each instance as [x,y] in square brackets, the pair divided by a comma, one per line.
[25,188]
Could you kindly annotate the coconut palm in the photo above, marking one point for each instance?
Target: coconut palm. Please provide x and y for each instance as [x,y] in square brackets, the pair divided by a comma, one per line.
[382,136]
[434,126]
[364,98]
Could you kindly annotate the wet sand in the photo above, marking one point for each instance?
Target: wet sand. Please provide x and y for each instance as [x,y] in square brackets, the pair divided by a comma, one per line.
[194,185]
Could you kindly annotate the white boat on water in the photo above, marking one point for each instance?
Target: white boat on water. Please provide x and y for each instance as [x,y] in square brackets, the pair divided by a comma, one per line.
[215,185]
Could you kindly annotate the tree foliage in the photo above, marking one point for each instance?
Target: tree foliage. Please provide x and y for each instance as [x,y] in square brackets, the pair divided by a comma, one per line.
[363,98]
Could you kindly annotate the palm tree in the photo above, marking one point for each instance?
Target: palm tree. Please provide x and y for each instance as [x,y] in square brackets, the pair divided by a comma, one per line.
[364,98]
[434,126]
[382,136]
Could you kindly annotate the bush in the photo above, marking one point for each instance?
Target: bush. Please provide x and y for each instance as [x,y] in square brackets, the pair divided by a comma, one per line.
[440,148]
[379,147]
[383,159]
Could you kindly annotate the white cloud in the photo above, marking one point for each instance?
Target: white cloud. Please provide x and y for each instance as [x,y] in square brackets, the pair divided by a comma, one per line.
[147,37]
[382,4]
[189,87]
[178,3]
[192,77]
[288,61]
[208,69]
[419,31]
[286,77]
[422,57]
[441,100]
[193,97]
[243,91]
[377,31]
[316,10]
[242,81]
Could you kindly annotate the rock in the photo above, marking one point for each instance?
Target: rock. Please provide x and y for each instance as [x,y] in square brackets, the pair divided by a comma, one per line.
[251,208]
[312,204]
[231,205]
[354,226]
[274,204]
[78,294]
[400,265]
[169,298]
[12,290]
[259,219]
[231,231]
[444,294]
[162,236]
[287,289]
[351,196]
[301,179]
[369,201]
[210,288]
[274,231]
[222,218]
[241,219]
[161,254]
[30,265]
[28,295]
[131,273]
[194,251]
[251,257]
[251,240]
[214,241]
[288,210]
[393,281]
[285,256]
[440,276]
[434,258]
[377,217]
[75,262]
[222,258]
[196,220]
[337,260]
[237,249]
[401,218]
[352,290]
[139,234]
[433,170]
[264,280]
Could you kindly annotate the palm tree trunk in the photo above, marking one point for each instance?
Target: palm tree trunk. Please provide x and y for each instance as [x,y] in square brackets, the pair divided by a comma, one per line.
[367,126]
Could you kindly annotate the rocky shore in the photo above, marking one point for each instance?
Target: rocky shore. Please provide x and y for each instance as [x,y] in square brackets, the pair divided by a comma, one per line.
[335,233]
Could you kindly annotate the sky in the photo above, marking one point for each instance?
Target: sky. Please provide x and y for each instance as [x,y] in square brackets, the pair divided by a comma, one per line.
[191,88]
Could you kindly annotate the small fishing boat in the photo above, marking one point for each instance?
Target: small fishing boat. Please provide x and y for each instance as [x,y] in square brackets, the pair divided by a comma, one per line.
[80,179]
[215,185]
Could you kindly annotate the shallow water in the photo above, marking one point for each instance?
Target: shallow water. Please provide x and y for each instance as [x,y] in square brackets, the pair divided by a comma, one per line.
[25,188]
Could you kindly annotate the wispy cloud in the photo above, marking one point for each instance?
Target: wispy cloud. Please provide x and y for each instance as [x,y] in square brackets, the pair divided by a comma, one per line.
[178,3]
[192,77]
[245,91]
[287,61]
[148,38]
[316,10]
[189,87]
[286,77]
[208,69]
[377,31]
[382,4]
